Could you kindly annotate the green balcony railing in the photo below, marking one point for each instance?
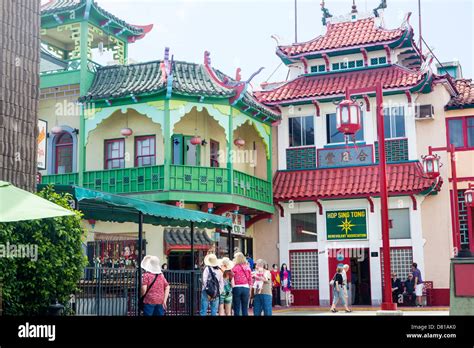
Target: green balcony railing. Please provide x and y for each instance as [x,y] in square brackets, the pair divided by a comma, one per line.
[181,178]
[252,187]
[60,179]
[125,180]
[199,179]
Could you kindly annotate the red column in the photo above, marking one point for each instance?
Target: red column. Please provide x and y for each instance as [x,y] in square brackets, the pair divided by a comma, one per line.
[457,234]
[387,295]
[470,228]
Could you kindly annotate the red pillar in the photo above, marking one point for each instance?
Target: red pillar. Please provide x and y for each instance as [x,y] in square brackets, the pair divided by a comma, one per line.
[457,229]
[470,228]
[387,303]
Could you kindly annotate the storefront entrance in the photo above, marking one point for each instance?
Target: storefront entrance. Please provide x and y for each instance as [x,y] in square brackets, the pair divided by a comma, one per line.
[358,276]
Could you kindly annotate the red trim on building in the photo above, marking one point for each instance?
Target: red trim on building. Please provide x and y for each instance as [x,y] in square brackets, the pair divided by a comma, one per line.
[152,153]
[343,182]
[307,297]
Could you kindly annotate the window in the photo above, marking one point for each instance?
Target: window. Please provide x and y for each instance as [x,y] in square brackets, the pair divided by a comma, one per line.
[461,132]
[318,68]
[63,158]
[378,60]
[145,151]
[301,131]
[394,122]
[334,136]
[304,270]
[114,154]
[214,160]
[303,228]
[335,66]
[399,223]
[359,63]
[184,152]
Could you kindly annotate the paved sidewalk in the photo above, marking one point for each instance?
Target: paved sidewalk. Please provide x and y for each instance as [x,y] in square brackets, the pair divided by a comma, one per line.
[356,310]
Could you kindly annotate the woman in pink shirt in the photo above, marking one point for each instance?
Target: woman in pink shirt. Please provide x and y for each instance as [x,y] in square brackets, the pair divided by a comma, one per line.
[155,289]
[242,284]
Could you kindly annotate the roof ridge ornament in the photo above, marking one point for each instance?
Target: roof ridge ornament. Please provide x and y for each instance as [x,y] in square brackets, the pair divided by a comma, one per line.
[382,5]
[326,13]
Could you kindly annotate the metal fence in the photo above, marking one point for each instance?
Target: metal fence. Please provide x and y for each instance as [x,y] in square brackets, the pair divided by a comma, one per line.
[114,292]
[107,292]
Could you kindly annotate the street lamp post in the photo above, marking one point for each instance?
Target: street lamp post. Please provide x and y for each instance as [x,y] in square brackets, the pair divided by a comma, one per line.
[469,201]
[387,303]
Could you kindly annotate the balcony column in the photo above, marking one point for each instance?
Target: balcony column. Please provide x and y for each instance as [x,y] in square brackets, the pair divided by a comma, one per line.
[167,143]
[229,153]
[83,90]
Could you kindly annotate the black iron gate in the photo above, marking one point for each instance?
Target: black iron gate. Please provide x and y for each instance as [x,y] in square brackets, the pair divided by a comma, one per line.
[114,292]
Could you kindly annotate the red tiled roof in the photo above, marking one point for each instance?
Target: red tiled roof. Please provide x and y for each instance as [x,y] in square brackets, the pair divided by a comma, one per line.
[465,88]
[402,178]
[345,34]
[306,87]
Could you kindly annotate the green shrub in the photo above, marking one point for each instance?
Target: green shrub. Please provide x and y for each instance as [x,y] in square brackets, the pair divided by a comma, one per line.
[30,286]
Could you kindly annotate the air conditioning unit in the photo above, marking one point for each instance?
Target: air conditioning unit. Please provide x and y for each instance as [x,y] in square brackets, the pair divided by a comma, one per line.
[424,112]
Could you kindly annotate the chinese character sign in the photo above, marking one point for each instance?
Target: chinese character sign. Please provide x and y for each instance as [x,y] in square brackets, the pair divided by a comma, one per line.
[238,223]
[345,156]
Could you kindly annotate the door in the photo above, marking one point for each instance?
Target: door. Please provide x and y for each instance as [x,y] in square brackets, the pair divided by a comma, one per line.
[214,160]
[192,153]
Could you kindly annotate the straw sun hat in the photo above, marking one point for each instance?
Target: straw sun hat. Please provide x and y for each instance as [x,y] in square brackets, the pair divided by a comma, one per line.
[151,264]
[226,264]
[211,260]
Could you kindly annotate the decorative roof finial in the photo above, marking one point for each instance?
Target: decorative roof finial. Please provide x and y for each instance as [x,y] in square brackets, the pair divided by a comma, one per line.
[382,5]
[354,7]
[326,13]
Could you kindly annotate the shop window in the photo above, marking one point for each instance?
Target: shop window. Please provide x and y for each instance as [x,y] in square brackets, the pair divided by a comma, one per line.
[304,270]
[184,152]
[461,132]
[145,151]
[63,153]
[114,153]
[303,228]
[399,223]
[301,131]
[401,260]
[394,122]
[334,136]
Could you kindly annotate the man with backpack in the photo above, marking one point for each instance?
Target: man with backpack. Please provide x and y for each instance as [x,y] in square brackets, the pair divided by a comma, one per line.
[212,285]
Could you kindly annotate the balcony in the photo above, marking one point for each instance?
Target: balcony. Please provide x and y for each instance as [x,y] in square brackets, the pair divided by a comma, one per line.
[214,183]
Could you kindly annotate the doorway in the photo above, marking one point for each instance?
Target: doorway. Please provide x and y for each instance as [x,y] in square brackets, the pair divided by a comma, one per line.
[358,276]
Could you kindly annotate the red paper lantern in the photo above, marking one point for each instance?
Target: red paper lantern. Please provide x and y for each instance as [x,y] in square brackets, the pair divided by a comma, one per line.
[239,142]
[56,130]
[196,140]
[469,197]
[348,118]
[431,165]
[126,132]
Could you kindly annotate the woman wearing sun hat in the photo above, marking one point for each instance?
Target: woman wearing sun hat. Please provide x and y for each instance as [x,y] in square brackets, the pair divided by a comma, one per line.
[155,289]
[211,271]
[225,299]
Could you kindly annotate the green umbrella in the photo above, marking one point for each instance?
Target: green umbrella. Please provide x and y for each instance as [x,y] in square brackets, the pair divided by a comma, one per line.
[17,205]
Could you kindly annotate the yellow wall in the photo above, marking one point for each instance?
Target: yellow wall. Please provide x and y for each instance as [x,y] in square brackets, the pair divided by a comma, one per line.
[110,129]
[200,123]
[248,161]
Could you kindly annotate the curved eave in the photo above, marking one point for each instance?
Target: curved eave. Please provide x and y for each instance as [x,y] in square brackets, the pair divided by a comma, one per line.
[402,41]
[459,107]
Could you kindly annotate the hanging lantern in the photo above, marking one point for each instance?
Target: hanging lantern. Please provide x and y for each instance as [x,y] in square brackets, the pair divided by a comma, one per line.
[469,197]
[431,165]
[56,130]
[196,140]
[348,119]
[126,132]
[239,142]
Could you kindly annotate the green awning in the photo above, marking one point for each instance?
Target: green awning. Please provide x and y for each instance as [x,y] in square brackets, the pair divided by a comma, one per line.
[104,206]
[20,205]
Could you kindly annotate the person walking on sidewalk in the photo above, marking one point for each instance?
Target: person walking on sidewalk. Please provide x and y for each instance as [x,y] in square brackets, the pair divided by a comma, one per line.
[418,284]
[242,284]
[276,283]
[337,290]
[212,285]
[155,289]
[262,300]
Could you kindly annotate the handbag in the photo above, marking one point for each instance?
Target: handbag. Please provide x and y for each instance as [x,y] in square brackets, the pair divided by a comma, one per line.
[141,305]
[332,280]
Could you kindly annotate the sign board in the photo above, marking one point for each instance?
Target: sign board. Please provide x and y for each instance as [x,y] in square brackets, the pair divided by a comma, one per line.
[41,154]
[346,224]
[345,156]
[238,222]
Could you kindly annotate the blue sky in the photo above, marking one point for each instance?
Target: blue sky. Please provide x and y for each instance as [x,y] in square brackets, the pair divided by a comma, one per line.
[238,33]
